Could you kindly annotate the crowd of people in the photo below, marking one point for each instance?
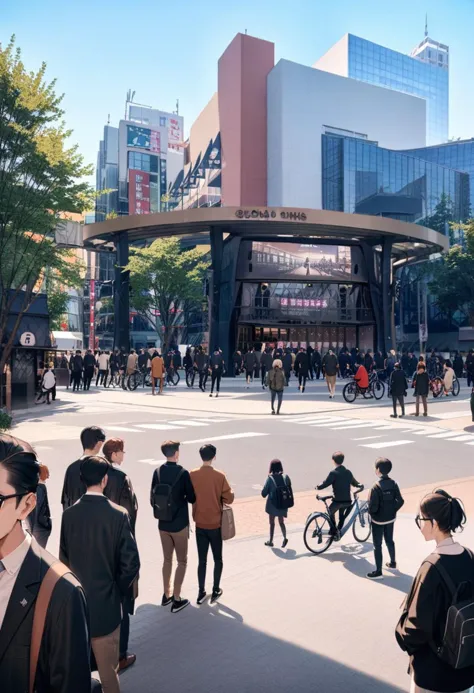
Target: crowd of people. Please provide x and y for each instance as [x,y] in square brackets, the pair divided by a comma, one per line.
[81,605]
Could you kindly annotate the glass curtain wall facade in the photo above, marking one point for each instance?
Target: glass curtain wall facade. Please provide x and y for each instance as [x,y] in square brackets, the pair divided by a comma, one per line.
[369,62]
[359,177]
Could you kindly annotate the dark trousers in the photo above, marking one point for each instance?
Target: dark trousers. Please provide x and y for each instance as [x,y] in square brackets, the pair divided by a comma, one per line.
[264,372]
[302,379]
[380,532]
[401,401]
[101,377]
[203,378]
[287,376]
[424,399]
[204,539]
[280,398]
[317,370]
[88,375]
[344,510]
[124,631]
[76,380]
[310,371]
[216,379]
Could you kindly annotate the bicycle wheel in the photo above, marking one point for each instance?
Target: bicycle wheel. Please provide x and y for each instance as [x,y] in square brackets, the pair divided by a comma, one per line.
[174,378]
[133,381]
[362,527]
[438,387]
[148,380]
[456,387]
[316,533]
[350,392]
[378,389]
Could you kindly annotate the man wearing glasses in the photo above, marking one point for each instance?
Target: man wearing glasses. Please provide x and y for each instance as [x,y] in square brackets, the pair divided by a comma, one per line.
[23,566]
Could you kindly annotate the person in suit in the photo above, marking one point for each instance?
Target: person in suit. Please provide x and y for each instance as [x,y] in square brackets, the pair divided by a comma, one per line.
[77,366]
[23,566]
[92,439]
[119,490]
[107,569]
[39,520]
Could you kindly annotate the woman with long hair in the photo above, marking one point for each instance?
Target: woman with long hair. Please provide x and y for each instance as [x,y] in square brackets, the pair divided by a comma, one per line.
[443,578]
[276,478]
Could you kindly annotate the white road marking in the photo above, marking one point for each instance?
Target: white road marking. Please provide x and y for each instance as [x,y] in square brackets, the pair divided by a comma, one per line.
[150,460]
[343,427]
[452,414]
[332,423]
[387,444]
[190,422]
[159,426]
[462,438]
[122,429]
[445,434]
[367,438]
[231,436]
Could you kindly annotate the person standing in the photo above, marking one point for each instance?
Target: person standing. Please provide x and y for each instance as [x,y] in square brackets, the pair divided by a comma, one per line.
[120,491]
[424,630]
[398,390]
[385,500]
[317,363]
[212,491]
[390,364]
[369,361]
[330,368]
[275,479]
[38,521]
[89,365]
[132,362]
[107,569]
[202,364]
[92,439]
[458,365]
[448,378]
[276,380]
[77,366]
[266,364]
[63,664]
[379,362]
[302,368]
[421,383]
[250,363]
[237,359]
[287,365]
[114,364]
[103,368]
[157,373]
[171,491]
[310,352]
[217,368]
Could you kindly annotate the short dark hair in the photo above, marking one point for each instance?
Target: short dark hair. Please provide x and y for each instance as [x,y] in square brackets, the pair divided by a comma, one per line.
[208,452]
[20,462]
[276,467]
[446,510]
[90,436]
[93,470]
[338,457]
[170,448]
[383,465]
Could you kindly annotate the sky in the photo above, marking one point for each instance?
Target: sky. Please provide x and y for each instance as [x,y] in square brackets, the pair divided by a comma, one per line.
[164,51]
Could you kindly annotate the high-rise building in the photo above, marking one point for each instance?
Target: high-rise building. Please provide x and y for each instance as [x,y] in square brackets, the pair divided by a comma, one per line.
[106,175]
[423,73]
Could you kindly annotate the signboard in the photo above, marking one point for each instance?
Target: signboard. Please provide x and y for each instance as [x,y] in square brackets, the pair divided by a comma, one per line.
[155,141]
[92,314]
[28,339]
[144,138]
[175,133]
[163,183]
[138,192]
[423,332]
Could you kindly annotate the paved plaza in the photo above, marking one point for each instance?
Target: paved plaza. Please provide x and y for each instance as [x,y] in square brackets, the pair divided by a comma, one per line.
[287,618]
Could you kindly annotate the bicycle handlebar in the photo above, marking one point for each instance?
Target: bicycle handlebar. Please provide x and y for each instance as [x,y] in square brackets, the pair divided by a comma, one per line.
[359,490]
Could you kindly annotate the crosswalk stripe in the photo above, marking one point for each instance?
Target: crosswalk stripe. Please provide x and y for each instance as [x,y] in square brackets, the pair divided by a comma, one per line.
[367,438]
[159,426]
[228,437]
[359,425]
[123,429]
[445,434]
[313,419]
[387,444]
[332,423]
[462,439]
[452,414]
[190,422]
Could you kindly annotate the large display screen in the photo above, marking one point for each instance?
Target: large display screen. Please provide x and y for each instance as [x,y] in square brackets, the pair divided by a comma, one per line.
[299,261]
[144,138]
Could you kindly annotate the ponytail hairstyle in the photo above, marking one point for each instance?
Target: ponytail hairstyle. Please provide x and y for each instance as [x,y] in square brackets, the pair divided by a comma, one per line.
[20,461]
[447,511]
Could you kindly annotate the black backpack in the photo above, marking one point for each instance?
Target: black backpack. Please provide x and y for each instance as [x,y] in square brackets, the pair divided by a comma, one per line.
[282,496]
[457,648]
[388,498]
[164,507]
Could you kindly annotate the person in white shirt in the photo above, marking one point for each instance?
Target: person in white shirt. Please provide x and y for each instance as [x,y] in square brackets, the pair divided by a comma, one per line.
[104,358]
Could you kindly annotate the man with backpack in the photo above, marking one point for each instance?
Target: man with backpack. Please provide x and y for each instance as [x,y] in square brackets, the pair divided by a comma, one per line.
[171,491]
[385,501]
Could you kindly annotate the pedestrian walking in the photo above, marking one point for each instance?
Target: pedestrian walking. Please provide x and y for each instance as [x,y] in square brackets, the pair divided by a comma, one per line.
[157,373]
[132,362]
[250,364]
[266,364]
[277,490]
[433,625]
[89,365]
[202,365]
[317,363]
[103,360]
[276,381]
[119,490]
[62,664]
[106,569]
[212,491]
[47,387]
[385,500]
[421,385]
[77,366]
[39,521]
[258,360]
[302,368]
[287,365]
[458,365]
[398,390]
[390,363]
[171,491]
[448,378]
[217,368]
[92,439]
[237,359]
[330,368]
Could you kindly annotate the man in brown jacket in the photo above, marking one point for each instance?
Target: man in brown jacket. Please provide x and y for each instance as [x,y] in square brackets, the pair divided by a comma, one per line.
[212,490]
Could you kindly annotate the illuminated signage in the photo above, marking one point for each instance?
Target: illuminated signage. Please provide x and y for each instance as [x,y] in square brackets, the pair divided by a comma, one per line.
[270,214]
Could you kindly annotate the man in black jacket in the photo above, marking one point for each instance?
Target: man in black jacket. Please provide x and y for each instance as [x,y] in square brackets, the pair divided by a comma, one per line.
[77,366]
[302,368]
[330,368]
[92,439]
[106,569]
[422,388]
[385,501]
[316,360]
[174,533]
[217,368]
[398,390]
[250,363]
[64,656]
[202,364]
[89,365]
[341,480]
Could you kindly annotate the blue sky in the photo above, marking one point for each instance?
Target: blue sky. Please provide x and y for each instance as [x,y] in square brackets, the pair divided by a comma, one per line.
[97,49]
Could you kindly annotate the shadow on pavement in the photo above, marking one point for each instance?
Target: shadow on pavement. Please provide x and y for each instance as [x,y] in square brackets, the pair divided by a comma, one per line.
[469,429]
[210,649]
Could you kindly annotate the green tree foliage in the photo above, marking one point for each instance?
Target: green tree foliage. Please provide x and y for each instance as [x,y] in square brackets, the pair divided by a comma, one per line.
[453,283]
[57,306]
[167,283]
[41,179]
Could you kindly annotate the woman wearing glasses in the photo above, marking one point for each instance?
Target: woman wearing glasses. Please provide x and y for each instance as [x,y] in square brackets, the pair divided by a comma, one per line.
[422,628]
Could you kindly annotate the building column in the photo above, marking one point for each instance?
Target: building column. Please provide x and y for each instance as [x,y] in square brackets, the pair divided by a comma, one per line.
[122,295]
[375,294]
[217,247]
[387,296]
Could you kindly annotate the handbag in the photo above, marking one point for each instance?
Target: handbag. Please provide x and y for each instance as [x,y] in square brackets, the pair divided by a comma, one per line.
[227,523]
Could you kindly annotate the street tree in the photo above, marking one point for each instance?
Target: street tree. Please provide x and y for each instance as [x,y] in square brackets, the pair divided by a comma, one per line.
[41,182]
[167,284]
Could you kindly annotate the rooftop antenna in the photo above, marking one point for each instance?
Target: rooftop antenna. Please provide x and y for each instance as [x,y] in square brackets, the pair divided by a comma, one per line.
[177,106]
[108,119]
[246,32]
[426,25]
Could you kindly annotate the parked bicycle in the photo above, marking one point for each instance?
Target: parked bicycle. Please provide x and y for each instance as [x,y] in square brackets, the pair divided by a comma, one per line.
[172,376]
[437,386]
[139,378]
[321,529]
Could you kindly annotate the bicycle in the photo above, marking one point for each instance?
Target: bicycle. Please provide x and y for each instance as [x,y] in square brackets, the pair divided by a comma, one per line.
[353,390]
[172,376]
[191,376]
[117,379]
[321,530]
[137,378]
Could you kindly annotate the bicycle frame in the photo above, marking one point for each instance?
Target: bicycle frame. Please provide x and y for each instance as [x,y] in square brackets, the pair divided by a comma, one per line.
[355,510]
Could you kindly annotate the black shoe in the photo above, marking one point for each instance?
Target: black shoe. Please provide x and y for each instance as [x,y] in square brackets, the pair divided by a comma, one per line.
[285,542]
[216,594]
[217,394]
[273,411]
[201,597]
[210,395]
[179,605]
[393,416]
[278,412]
[303,388]
[375,575]
[269,543]
[201,388]
[391,566]
[425,413]
[166,601]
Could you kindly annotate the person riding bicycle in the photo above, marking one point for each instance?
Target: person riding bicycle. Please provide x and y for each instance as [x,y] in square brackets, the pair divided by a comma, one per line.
[341,479]
[362,378]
